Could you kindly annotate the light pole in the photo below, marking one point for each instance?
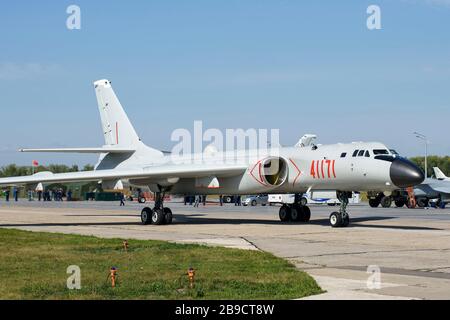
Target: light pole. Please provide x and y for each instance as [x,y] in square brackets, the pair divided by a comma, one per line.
[425,139]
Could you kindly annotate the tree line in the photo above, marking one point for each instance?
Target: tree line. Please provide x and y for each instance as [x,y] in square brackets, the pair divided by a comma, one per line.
[442,163]
[13,170]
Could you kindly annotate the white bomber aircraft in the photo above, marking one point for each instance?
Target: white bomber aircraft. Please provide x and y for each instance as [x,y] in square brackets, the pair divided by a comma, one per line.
[343,167]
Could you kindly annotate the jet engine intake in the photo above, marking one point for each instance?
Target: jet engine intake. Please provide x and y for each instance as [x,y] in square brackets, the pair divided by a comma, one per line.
[272,171]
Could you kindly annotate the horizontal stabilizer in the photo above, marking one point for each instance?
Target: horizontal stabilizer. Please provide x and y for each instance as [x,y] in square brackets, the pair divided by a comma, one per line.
[83,150]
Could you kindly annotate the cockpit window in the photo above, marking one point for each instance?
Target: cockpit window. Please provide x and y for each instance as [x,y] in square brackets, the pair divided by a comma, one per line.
[343,154]
[355,153]
[367,154]
[360,153]
[394,152]
[380,151]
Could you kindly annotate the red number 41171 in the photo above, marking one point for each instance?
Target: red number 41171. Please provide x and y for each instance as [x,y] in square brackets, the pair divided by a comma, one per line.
[323,169]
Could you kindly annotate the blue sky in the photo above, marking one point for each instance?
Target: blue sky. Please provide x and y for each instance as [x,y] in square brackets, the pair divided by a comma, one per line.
[300,66]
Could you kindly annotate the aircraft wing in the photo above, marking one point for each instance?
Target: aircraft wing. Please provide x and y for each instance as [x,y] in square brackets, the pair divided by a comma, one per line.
[82,150]
[163,171]
[442,189]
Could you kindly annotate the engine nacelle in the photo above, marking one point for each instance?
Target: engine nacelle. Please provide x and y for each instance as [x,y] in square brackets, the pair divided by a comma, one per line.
[266,174]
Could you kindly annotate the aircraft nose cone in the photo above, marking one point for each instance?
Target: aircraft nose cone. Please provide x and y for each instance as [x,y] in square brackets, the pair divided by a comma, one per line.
[404,173]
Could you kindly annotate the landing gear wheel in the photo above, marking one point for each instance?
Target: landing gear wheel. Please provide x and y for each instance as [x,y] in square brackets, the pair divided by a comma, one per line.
[386,202]
[422,203]
[146,215]
[296,213]
[374,203]
[285,213]
[346,221]
[167,216]
[399,203]
[306,214]
[336,220]
[158,217]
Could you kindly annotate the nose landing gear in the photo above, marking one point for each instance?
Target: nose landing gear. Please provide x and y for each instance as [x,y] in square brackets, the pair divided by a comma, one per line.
[341,218]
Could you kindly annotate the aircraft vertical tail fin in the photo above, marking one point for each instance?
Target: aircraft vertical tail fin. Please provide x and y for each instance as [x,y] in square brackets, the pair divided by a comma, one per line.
[117,128]
[439,174]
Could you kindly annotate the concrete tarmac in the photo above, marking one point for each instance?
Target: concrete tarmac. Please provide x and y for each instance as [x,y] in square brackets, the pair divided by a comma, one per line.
[411,248]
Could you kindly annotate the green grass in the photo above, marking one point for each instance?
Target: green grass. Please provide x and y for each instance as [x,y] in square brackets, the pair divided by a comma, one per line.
[33,266]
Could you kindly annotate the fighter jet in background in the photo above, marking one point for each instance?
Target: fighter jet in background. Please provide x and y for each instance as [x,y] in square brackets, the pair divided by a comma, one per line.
[360,166]
[440,175]
[437,190]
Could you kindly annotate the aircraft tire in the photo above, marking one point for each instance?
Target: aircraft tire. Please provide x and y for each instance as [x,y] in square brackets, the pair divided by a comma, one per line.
[146,216]
[158,217]
[285,213]
[374,203]
[422,203]
[346,221]
[386,202]
[399,203]
[296,213]
[168,217]
[306,214]
[336,220]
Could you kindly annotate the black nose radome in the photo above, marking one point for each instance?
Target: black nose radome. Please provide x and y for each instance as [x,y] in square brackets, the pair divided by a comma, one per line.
[404,173]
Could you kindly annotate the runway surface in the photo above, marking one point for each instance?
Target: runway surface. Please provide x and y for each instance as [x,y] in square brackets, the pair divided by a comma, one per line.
[411,248]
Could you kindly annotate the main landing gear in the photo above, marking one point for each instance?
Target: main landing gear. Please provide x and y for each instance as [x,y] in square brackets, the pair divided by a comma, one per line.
[341,218]
[298,211]
[159,215]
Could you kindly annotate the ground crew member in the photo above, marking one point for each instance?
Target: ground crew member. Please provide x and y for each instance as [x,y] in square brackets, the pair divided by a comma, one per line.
[16,194]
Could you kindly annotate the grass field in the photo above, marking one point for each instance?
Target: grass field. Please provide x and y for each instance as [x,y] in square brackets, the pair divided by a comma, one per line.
[33,266]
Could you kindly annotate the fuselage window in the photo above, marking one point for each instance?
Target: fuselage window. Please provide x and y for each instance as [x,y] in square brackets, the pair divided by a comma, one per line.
[367,154]
[380,151]
[343,154]
[355,153]
[360,153]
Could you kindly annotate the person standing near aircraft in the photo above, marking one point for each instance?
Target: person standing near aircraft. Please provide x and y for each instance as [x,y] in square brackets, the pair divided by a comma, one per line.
[7,195]
[197,201]
[16,194]
[122,200]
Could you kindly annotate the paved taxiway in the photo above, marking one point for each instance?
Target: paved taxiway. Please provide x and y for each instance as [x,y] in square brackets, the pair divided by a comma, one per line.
[411,247]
